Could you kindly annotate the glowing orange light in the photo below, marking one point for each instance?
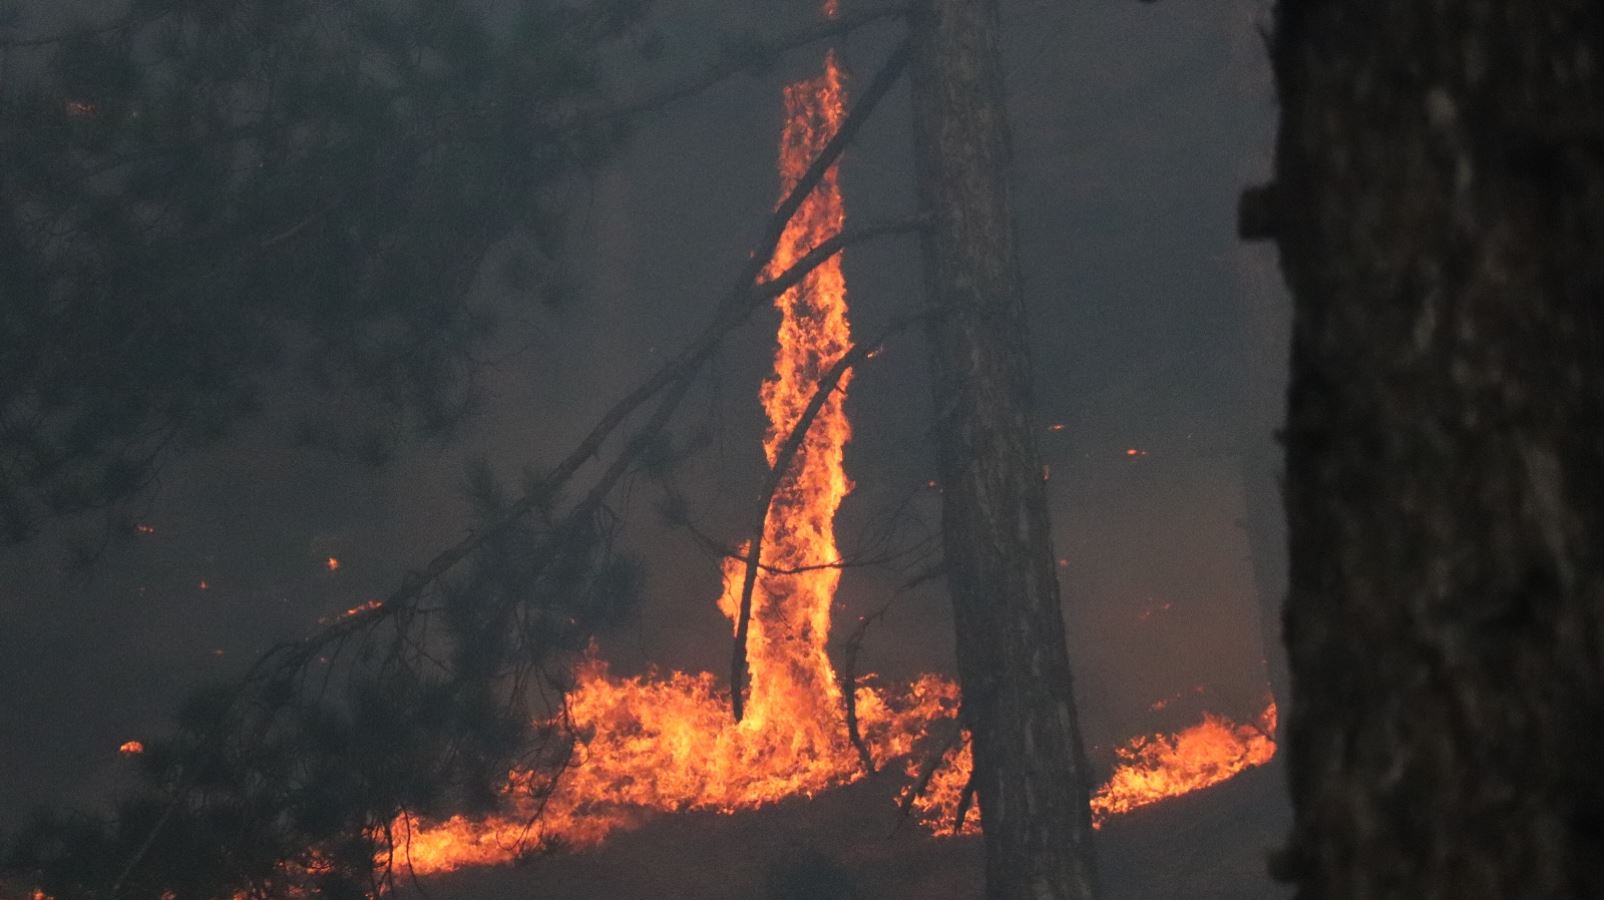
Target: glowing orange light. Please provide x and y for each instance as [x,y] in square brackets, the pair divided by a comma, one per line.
[666,742]
[1152,768]
[332,564]
[1134,452]
[203,585]
[129,748]
[1056,426]
[1156,767]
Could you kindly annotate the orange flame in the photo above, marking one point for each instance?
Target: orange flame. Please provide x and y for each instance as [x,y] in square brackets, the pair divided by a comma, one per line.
[1152,768]
[669,743]
[1157,767]
[130,748]
[666,743]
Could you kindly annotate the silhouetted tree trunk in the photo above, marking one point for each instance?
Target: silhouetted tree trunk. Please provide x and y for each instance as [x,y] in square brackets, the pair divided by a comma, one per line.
[1440,213]
[1030,771]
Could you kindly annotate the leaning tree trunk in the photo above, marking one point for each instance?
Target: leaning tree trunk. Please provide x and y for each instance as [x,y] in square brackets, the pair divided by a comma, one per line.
[1030,771]
[1440,212]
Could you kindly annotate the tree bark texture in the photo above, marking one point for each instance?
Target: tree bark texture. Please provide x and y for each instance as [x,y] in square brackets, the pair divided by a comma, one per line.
[1030,770]
[1440,187]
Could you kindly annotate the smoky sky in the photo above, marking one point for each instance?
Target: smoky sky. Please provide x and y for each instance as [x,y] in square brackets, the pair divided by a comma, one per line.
[1135,126]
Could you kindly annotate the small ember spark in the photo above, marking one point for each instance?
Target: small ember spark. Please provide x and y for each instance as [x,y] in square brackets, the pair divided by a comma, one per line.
[1133,452]
[203,585]
[332,564]
[1152,611]
[142,528]
[1056,426]
[130,748]
[1046,472]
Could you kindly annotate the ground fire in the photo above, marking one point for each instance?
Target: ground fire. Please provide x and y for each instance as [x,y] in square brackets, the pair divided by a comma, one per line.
[668,743]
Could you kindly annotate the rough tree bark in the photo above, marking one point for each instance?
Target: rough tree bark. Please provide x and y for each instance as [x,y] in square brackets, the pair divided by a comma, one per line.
[1439,208]
[1030,770]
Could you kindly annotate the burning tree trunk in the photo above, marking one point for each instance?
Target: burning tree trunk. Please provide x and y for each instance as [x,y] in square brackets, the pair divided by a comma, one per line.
[1030,771]
[1440,215]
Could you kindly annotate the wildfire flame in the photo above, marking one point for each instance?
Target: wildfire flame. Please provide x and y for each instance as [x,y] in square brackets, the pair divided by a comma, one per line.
[667,743]
[1151,768]
[1157,767]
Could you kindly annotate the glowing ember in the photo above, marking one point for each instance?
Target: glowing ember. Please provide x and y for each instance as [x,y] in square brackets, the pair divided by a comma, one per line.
[357,610]
[144,529]
[131,748]
[332,564]
[1133,452]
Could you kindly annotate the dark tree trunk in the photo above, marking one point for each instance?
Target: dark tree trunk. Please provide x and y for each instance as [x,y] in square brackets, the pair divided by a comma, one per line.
[1031,778]
[1440,214]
